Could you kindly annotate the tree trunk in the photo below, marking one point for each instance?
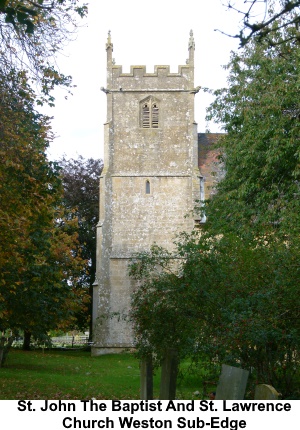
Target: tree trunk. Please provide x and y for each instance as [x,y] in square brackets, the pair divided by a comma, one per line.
[5,345]
[1,354]
[26,342]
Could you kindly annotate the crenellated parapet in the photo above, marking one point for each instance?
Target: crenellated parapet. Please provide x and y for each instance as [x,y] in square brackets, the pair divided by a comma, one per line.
[158,70]
[138,79]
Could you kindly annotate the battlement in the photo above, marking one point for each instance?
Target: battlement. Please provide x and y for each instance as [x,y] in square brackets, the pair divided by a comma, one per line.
[162,79]
[141,71]
[139,79]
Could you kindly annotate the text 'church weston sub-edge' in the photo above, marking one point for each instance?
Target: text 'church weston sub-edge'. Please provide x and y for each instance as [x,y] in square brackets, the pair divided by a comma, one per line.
[156,166]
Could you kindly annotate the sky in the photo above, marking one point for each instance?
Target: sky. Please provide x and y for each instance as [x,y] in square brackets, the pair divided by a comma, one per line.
[143,33]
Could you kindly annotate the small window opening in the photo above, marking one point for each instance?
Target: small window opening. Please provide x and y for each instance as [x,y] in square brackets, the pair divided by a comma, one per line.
[147,187]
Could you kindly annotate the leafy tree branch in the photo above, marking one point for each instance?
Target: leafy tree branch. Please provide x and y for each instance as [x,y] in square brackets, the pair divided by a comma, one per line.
[32,33]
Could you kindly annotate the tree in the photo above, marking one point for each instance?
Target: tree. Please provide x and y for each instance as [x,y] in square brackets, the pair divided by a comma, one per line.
[285,13]
[260,114]
[32,33]
[250,305]
[39,269]
[258,201]
[231,293]
[37,256]
[221,300]
[158,312]
[80,180]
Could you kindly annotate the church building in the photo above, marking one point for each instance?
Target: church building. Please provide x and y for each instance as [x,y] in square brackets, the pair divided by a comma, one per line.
[156,166]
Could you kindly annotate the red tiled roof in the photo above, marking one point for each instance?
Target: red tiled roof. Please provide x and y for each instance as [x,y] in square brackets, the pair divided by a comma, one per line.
[208,159]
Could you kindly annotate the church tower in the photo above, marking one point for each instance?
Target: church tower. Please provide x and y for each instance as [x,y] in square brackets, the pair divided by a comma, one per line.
[149,184]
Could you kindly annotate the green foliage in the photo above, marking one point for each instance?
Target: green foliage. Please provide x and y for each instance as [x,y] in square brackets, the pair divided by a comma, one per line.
[252,307]
[169,307]
[255,213]
[80,180]
[228,301]
[20,16]
[39,254]
[230,293]
[32,33]
[39,269]
[260,151]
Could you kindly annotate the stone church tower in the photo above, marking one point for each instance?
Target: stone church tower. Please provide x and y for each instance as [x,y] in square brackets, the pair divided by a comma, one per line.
[149,183]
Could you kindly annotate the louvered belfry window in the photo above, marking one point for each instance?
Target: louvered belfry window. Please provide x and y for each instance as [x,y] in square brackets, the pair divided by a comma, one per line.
[149,114]
[154,115]
[146,116]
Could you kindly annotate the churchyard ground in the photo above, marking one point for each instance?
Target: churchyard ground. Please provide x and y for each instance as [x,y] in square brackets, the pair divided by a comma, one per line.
[54,374]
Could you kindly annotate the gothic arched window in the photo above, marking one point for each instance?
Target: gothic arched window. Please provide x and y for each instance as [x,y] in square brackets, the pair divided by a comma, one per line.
[149,114]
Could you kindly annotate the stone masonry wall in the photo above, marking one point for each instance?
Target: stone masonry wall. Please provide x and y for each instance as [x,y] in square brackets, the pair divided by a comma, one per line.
[150,182]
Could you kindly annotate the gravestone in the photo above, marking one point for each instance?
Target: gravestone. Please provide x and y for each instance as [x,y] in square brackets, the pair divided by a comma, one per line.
[168,379]
[232,383]
[146,382]
[265,392]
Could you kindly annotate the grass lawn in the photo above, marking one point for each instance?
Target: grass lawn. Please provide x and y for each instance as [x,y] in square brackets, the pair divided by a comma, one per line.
[76,375]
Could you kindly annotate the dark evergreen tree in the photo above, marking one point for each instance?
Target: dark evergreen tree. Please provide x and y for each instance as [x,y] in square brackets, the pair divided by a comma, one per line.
[80,178]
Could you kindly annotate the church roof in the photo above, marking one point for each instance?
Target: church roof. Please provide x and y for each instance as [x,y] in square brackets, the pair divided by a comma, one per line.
[208,162]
